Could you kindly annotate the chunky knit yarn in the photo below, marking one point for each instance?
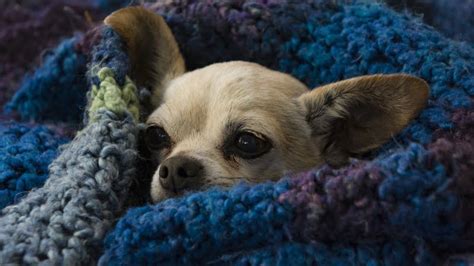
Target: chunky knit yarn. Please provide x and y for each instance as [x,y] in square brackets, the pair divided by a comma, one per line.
[453,18]
[368,202]
[26,30]
[29,30]
[64,221]
[64,68]
[409,203]
[406,206]
[26,152]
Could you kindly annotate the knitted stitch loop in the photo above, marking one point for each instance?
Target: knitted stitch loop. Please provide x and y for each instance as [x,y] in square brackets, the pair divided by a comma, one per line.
[57,85]
[109,95]
[28,31]
[64,222]
[409,205]
[410,195]
[26,152]
[347,205]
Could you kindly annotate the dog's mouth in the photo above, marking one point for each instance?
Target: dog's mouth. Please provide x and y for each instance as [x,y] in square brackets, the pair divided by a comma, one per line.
[173,193]
[168,194]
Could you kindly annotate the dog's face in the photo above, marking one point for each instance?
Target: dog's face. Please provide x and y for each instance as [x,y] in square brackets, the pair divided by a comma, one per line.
[228,122]
[241,121]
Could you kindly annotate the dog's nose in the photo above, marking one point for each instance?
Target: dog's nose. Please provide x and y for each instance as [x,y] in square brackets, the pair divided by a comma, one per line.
[179,172]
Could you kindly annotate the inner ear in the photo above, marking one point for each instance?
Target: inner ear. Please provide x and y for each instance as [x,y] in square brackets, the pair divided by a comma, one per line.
[356,115]
[154,54]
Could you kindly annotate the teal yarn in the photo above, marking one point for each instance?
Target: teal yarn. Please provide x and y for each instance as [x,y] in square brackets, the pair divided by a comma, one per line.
[26,152]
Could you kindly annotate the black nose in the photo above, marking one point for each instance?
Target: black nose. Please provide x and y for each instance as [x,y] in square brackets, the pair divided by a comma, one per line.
[179,172]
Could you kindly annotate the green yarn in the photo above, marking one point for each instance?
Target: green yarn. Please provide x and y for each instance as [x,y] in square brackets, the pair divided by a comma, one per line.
[109,95]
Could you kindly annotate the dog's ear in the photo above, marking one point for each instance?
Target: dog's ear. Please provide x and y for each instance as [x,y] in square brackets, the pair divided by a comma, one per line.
[151,46]
[355,115]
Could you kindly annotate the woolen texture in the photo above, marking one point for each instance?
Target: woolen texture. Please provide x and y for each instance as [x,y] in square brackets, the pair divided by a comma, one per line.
[29,32]
[64,222]
[64,68]
[452,18]
[408,203]
[26,152]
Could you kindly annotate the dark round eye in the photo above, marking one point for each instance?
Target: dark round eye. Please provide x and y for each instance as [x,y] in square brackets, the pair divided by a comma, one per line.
[156,138]
[249,146]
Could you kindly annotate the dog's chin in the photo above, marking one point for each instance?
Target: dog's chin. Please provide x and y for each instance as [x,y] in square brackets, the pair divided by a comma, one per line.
[163,194]
[159,194]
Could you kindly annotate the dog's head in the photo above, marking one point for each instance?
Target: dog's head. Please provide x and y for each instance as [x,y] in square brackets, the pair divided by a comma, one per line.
[241,121]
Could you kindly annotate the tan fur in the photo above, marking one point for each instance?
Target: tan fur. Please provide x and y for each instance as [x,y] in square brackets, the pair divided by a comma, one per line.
[359,114]
[153,51]
[306,128]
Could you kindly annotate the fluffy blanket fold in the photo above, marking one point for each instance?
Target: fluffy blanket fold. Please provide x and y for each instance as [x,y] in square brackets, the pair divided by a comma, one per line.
[410,203]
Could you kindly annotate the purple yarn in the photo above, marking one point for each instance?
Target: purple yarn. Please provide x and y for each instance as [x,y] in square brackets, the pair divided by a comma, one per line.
[29,28]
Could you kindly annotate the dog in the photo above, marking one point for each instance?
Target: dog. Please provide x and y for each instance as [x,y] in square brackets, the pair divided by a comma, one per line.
[236,120]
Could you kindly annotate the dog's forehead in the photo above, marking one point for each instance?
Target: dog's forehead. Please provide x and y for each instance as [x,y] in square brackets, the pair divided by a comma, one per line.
[234,80]
[217,94]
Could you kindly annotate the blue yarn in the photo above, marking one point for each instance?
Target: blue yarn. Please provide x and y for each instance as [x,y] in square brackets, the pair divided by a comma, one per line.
[338,49]
[58,84]
[26,153]
[392,253]
[327,47]
[64,222]
[250,225]
[239,227]
[109,53]
[218,226]
[333,43]
[408,183]
[203,226]
[437,117]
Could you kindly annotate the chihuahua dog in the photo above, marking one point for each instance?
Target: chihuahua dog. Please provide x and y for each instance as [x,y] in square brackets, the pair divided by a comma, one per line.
[238,120]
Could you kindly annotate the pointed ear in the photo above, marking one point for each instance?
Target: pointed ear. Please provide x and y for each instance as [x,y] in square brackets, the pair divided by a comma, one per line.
[359,114]
[154,54]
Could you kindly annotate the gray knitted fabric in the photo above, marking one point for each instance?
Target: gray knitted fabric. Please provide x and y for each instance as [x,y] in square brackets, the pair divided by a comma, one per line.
[64,222]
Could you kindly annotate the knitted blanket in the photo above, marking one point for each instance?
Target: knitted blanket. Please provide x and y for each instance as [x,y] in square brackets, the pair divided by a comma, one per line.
[453,18]
[409,203]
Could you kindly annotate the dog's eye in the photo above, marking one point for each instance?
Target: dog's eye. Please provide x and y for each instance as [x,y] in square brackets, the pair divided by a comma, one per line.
[249,146]
[156,138]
